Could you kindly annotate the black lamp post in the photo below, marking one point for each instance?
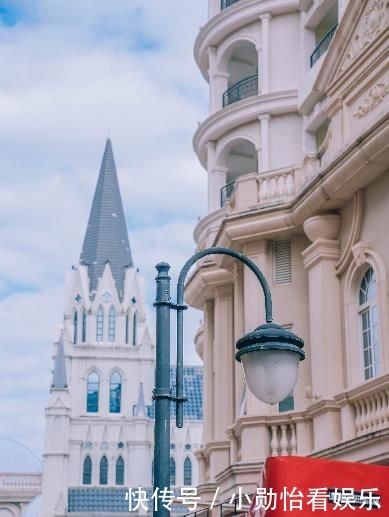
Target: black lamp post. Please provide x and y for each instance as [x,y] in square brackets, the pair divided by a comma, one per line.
[270,356]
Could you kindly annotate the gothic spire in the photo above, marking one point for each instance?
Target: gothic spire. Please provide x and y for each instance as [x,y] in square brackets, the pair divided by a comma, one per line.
[140,406]
[106,238]
[59,375]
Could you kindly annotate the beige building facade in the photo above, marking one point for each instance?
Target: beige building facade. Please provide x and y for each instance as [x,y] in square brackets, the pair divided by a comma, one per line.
[296,149]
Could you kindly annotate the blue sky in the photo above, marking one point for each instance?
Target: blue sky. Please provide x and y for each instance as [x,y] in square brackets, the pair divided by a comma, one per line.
[73,72]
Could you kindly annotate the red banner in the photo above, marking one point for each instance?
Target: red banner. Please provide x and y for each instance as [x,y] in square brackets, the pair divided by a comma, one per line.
[304,486]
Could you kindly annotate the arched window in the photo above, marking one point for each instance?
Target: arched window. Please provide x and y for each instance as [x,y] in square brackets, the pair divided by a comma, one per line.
[92,402]
[100,325]
[368,313]
[187,471]
[75,327]
[134,329]
[104,471]
[127,328]
[83,333]
[172,470]
[115,393]
[87,471]
[111,324]
[120,471]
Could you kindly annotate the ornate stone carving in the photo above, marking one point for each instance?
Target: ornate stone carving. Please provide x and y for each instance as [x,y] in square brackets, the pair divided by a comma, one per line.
[325,226]
[373,22]
[360,251]
[375,96]
[354,233]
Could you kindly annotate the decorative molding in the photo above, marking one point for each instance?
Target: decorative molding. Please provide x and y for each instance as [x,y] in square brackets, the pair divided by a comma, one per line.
[375,96]
[372,23]
[321,249]
[354,234]
[360,252]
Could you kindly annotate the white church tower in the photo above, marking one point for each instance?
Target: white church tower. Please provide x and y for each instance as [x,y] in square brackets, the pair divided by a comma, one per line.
[98,433]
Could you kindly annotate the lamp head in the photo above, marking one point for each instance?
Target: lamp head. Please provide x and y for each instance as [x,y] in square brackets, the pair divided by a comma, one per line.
[270,356]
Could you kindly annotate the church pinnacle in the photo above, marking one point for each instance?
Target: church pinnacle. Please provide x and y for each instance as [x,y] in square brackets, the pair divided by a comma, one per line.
[106,238]
[59,374]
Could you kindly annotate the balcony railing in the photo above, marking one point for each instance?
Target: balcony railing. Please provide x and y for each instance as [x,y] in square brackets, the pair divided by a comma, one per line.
[226,3]
[247,87]
[21,481]
[225,192]
[323,45]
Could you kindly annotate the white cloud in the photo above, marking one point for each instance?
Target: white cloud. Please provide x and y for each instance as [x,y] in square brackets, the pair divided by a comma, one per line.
[72,72]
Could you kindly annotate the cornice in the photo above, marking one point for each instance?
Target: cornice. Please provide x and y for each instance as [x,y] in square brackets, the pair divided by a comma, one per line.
[207,223]
[354,444]
[322,406]
[232,19]
[240,113]
[363,390]
[200,286]
[322,249]
[217,445]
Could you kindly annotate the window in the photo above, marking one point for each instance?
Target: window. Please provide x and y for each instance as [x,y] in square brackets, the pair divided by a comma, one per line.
[187,472]
[111,325]
[286,404]
[83,336]
[368,313]
[104,471]
[115,393]
[120,471]
[100,325]
[282,262]
[87,471]
[134,330]
[172,470]
[92,403]
[127,329]
[75,327]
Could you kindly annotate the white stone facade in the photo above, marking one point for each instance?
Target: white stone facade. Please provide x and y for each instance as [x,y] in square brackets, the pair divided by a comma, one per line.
[99,436]
[296,152]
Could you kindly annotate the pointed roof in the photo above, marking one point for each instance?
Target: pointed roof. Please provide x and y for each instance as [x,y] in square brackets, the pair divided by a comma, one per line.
[106,238]
[59,375]
[140,408]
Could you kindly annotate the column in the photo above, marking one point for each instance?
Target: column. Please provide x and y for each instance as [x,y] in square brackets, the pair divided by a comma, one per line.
[326,350]
[224,348]
[213,8]
[254,306]
[208,397]
[217,178]
[220,86]
[264,121]
[218,82]
[238,333]
[264,65]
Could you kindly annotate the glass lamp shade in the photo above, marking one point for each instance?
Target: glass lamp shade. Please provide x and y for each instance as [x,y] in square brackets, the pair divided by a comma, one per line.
[270,374]
[270,356]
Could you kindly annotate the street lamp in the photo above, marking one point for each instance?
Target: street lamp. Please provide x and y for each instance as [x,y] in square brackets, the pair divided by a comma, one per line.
[269,355]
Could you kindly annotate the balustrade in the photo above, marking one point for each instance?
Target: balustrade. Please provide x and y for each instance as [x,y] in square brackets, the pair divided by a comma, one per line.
[372,412]
[283,439]
[20,481]
[277,186]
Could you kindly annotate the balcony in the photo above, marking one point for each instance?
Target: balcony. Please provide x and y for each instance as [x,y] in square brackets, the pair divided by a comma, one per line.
[247,87]
[225,193]
[226,3]
[261,190]
[323,45]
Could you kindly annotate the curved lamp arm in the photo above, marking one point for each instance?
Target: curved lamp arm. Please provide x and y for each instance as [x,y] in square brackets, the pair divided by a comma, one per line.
[180,307]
